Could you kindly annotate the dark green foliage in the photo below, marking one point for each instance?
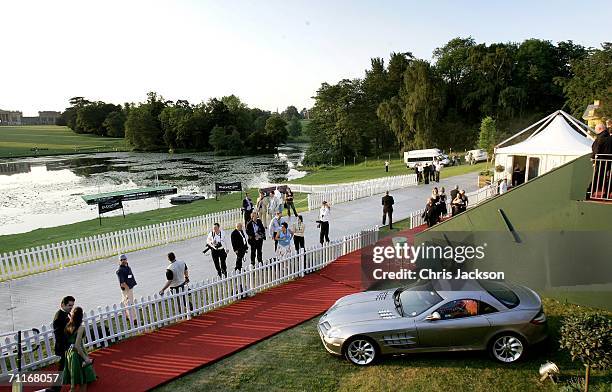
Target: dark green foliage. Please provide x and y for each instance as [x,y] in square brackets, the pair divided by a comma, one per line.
[294,127]
[114,124]
[412,103]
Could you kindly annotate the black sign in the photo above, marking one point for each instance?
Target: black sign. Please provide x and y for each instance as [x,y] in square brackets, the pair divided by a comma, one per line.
[109,205]
[228,186]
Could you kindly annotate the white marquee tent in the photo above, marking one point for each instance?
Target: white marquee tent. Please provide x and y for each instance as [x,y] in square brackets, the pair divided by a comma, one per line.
[556,139]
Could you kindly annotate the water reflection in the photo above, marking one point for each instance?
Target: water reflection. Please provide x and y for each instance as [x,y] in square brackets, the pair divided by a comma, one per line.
[45,192]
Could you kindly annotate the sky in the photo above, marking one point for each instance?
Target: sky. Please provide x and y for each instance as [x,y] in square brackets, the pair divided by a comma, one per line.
[269,53]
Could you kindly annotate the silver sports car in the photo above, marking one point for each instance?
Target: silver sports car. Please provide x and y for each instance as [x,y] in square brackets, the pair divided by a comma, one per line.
[442,315]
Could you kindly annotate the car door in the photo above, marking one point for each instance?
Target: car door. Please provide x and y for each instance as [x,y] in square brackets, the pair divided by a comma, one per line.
[460,325]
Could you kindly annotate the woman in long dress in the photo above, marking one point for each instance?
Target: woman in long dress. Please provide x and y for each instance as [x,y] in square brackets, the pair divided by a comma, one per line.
[284,237]
[79,366]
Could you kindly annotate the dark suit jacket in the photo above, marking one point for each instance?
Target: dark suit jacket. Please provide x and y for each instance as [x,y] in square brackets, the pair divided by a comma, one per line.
[599,144]
[453,194]
[238,244]
[255,227]
[387,202]
[245,205]
[59,324]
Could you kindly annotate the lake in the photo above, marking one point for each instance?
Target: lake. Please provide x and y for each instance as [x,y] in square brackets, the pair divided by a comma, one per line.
[46,191]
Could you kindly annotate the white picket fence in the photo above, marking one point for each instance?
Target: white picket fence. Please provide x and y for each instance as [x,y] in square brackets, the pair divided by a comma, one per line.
[405,180]
[358,190]
[58,255]
[474,198]
[109,324]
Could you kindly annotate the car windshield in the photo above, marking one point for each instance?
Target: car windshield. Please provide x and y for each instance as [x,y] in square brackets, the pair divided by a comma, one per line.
[501,292]
[416,299]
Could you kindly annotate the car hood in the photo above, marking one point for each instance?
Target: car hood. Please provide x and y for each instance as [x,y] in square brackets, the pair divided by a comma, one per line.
[362,307]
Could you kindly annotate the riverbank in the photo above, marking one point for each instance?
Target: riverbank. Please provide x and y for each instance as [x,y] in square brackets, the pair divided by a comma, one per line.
[43,140]
[116,223]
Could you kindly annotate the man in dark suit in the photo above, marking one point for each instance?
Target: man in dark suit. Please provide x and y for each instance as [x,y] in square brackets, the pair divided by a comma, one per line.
[247,207]
[256,233]
[454,193]
[387,203]
[60,320]
[239,244]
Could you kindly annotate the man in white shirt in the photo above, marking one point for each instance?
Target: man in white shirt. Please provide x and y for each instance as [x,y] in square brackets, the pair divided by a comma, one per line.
[177,275]
[217,242]
[324,217]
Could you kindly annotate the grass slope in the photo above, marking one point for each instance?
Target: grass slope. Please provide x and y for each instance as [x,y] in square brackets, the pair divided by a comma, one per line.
[16,141]
[296,361]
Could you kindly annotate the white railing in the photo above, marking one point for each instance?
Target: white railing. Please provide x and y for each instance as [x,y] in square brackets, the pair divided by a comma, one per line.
[474,198]
[601,181]
[109,324]
[406,179]
[358,190]
[54,256]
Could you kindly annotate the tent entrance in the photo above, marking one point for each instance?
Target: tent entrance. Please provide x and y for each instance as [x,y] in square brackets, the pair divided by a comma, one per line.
[519,165]
[533,169]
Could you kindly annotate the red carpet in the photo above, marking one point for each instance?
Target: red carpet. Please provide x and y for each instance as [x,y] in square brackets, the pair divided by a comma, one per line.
[151,359]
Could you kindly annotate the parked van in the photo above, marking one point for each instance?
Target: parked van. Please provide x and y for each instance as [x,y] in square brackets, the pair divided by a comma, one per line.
[479,155]
[411,158]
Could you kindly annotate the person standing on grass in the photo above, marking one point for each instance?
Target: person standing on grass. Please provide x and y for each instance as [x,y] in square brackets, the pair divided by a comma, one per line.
[256,232]
[324,218]
[298,230]
[239,244]
[275,227]
[247,207]
[126,284]
[217,243]
[386,166]
[289,202]
[60,320]
[387,203]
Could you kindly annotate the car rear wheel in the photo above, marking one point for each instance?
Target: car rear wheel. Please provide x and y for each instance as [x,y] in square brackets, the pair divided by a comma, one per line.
[361,351]
[507,348]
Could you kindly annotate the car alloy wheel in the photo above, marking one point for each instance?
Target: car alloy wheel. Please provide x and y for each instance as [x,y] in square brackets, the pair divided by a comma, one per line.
[507,348]
[361,351]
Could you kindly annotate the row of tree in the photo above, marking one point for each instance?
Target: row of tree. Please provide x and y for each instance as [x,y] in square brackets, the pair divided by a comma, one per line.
[412,103]
[226,125]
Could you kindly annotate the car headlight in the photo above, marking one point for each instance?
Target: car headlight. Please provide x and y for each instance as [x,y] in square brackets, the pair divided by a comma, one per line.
[333,333]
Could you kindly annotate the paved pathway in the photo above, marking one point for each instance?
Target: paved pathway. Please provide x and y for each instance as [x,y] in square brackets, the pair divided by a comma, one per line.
[31,301]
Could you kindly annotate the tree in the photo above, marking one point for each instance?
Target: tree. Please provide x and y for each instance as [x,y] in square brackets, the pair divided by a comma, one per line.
[114,124]
[276,129]
[294,127]
[588,338]
[290,113]
[226,140]
[142,129]
[486,138]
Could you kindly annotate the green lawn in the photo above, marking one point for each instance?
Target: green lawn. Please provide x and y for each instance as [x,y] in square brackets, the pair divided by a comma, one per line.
[33,140]
[372,169]
[116,223]
[295,360]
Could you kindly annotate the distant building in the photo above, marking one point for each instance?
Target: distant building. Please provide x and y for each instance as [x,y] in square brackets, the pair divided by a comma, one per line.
[16,118]
[305,113]
[8,117]
[591,114]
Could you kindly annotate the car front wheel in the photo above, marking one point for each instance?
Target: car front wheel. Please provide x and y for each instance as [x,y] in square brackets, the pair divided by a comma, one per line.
[361,351]
[507,348]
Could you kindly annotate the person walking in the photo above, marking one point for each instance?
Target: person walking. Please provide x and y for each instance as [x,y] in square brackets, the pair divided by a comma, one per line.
[79,366]
[289,202]
[256,233]
[275,227]
[386,166]
[283,237]
[298,230]
[239,244]
[177,275]
[417,171]
[387,203]
[247,207]
[218,249]
[263,208]
[432,171]
[126,284]
[324,218]
[426,173]
[421,172]
[275,204]
[438,168]
[60,321]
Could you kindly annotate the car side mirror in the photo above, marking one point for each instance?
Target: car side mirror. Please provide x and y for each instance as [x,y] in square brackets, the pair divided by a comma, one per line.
[434,317]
